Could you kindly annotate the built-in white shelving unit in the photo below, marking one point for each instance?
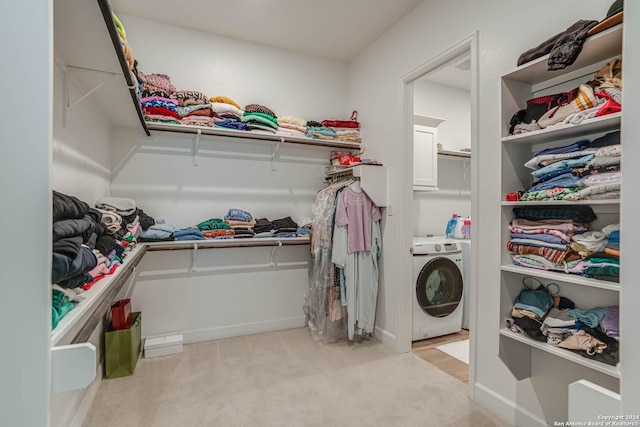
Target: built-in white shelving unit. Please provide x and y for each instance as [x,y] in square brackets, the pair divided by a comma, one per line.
[560,352]
[518,351]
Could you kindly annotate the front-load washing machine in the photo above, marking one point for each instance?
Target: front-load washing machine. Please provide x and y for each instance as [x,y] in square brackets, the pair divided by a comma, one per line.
[438,288]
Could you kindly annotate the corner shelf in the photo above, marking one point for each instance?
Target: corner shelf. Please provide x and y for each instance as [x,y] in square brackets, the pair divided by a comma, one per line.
[606,123]
[251,136]
[562,277]
[560,352]
[105,7]
[78,325]
[91,57]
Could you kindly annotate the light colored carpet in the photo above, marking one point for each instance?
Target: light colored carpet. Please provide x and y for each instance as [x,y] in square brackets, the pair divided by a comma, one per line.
[458,349]
[286,379]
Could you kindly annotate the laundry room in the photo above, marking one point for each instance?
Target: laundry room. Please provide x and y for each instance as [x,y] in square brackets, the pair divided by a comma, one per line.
[442,214]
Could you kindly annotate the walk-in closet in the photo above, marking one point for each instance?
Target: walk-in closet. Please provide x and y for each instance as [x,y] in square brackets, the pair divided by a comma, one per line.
[354,212]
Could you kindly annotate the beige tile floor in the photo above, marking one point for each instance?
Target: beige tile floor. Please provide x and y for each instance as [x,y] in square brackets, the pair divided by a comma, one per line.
[286,379]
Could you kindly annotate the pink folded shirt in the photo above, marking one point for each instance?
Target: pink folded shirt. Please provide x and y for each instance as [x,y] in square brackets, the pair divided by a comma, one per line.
[158,98]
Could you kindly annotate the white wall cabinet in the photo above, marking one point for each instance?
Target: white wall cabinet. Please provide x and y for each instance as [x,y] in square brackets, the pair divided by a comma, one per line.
[425,158]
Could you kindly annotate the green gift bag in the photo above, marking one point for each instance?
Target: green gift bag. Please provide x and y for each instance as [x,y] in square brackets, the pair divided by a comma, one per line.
[122,348]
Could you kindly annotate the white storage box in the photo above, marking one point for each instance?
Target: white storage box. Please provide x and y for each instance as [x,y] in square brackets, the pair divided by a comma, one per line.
[162,346]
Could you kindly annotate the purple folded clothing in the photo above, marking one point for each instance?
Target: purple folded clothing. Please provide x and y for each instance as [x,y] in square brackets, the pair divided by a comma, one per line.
[611,322]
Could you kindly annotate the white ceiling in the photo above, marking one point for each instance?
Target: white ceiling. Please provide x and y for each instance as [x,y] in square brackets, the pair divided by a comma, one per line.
[335,29]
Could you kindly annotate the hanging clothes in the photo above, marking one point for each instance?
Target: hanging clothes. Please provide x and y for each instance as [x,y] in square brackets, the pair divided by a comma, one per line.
[346,245]
[326,316]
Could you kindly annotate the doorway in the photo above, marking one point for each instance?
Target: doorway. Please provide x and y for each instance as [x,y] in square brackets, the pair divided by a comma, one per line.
[441,136]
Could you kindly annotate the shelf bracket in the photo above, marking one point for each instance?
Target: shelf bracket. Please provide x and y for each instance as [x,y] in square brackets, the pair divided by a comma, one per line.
[68,105]
[275,153]
[272,255]
[194,257]
[466,166]
[196,147]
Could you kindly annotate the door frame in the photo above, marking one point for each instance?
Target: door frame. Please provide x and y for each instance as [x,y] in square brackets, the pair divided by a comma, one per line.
[405,261]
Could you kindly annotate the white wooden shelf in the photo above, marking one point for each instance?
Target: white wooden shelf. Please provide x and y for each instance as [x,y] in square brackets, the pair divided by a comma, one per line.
[606,123]
[373,180]
[95,55]
[596,48]
[88,311]
[252,136]
[455,154]
[560,352]
[562,277]
[605,202]
[227,243]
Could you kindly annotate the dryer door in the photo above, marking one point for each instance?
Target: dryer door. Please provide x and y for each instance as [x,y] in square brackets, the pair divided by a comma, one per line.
[439,287]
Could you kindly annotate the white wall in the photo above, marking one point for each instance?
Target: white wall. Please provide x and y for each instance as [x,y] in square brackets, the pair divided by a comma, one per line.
[81,149]
[81,160]
[630,292]
[158,172]
[448,103]
[233,292]
[505,31]
[291,84]
[25,322]
[432,209]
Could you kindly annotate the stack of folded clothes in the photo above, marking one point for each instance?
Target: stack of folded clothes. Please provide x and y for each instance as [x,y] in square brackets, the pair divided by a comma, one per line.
[599,97]
[197,110]
[160,231]
[85,249]
[285,227]
[189,233]
[228,111]
[134,220]
[541,236]
[74,239]
[558,325]
[158,98]
[216,228]
[292,126]
[319,131]
[128,53]
[194,108]
[610,324]
[345,130]
[260,119]
[602,253]
[241,221]
[263,228]
[583,170]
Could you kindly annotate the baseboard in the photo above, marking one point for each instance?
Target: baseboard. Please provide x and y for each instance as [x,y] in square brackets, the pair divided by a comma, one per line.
[385,337]
[87,400]
[506,409]
[201,335]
